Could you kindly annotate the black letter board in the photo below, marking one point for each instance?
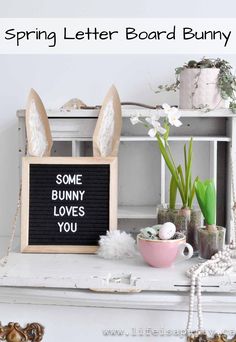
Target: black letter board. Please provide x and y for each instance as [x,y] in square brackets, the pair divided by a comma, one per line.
[67,203]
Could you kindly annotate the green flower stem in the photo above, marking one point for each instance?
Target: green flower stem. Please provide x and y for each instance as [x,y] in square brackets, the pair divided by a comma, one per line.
[192,193]
[169,151]
[179,181]
[173,193]
[188,167]
[170,166]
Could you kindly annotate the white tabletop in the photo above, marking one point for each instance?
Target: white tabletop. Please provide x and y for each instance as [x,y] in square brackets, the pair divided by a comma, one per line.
[80,271]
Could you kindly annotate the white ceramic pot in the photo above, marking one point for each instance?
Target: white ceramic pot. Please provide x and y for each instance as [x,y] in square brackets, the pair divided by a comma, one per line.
[198,89]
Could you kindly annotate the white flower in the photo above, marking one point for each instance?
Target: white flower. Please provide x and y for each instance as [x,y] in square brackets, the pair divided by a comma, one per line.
[156,129]
[166,108]
[174,119]
[152,132]
[153,119]
[156,126]
[134,119]
[172,114]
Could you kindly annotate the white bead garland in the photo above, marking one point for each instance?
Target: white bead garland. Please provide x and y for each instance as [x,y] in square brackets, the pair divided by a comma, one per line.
[219,264]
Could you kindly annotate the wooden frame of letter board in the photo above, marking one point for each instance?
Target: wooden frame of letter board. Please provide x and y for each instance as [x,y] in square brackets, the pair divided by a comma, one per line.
[26,162]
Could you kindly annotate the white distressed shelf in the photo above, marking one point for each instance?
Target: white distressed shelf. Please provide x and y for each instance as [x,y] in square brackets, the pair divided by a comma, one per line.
[94,273]
[129,111]
[148,139]
[176,138]
[76,140]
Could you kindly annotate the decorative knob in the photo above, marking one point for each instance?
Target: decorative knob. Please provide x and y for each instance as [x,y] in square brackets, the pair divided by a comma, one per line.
[13,332]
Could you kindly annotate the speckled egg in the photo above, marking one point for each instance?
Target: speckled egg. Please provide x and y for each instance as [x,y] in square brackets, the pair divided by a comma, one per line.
[167,231]
[149,233]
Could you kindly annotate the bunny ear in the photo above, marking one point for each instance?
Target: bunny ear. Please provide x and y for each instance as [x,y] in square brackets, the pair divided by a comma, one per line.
[37,127]
[106,137]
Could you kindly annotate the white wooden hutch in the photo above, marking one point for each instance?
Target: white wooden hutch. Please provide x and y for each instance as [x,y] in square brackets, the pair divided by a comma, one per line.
[81,297]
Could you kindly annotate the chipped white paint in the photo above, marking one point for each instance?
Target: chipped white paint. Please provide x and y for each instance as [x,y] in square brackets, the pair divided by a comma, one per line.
[39,287]
[173,301]
[67,287]
[93,272]
[86,323]
[127,112]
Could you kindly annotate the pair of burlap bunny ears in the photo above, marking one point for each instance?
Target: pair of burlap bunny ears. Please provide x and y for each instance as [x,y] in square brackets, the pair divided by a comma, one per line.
[106,136]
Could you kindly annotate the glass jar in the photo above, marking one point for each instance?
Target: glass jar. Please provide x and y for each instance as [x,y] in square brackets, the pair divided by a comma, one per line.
[188,224]
[210,242]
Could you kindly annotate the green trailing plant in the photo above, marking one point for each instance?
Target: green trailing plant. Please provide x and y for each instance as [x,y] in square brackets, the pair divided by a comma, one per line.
[206,197]
[226,79]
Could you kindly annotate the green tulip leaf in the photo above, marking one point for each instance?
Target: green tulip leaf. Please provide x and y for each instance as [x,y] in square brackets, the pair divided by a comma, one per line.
[210,204]
[200,194]
[206,197]
[173,193]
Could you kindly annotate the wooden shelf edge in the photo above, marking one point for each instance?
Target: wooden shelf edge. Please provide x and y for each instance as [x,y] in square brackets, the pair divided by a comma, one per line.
[127,112]
[73,137]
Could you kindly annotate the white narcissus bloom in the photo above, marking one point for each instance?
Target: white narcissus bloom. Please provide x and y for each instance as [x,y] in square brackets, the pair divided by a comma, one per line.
[153,131]
[173,115]
[166,108]
[134,119]
[153,121]
[174,119]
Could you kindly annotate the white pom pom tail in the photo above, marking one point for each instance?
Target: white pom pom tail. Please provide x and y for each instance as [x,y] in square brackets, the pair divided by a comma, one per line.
[116,245]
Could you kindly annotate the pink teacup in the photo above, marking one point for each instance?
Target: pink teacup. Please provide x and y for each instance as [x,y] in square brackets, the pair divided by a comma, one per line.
[163,253]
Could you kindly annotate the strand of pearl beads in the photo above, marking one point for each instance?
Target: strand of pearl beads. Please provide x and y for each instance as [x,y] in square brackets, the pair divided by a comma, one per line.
[219,264]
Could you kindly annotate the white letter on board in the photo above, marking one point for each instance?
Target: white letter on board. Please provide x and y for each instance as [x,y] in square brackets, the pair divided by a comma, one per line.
[58,181]
[60,226]
[55,211]
[54,195]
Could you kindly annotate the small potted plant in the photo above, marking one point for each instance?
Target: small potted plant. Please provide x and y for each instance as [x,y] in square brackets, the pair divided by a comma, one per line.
[211,238]
[185,218]
[206,84]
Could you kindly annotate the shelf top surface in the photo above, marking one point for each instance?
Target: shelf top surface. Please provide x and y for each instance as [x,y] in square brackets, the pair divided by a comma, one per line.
[128,112]
[92,272]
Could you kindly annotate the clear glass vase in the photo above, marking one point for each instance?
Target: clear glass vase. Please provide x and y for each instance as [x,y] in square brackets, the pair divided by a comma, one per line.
[210,242]
[188,224]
